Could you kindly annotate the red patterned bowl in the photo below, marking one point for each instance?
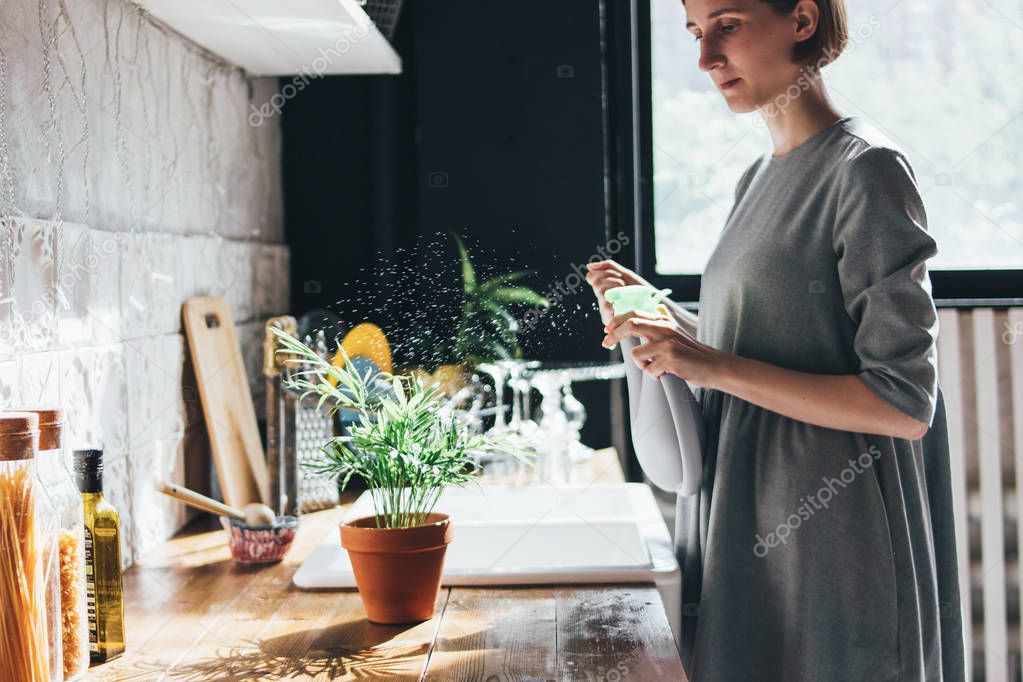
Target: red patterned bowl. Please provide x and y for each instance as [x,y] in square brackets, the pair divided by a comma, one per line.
[261,544]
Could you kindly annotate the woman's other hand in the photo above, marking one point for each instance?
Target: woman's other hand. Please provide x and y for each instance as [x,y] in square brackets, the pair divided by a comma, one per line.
[667,349]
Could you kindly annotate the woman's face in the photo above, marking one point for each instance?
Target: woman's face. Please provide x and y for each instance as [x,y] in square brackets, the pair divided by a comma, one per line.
[746,47]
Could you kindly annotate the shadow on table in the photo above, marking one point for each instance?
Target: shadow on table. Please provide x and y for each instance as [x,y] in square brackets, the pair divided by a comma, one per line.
[359,648]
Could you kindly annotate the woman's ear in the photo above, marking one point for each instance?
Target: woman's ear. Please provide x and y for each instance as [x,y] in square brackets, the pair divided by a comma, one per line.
[806,15]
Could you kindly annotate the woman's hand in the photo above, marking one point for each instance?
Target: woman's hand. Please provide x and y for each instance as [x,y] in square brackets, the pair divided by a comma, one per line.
[668,348]
[607,274]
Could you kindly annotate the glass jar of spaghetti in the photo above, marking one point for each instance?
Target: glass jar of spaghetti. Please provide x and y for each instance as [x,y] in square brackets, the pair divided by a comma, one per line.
[28,526]
[53,472]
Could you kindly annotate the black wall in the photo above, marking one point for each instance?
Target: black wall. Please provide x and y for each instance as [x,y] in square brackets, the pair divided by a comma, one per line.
[495,130]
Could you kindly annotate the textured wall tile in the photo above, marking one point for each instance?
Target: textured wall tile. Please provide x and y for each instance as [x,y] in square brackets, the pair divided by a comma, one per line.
[152,286]
[155,515]
[238,276]
[39,380]
[215,268]
[7,336]
[119,124]
[92,391]
[88,283]
[270,280]
[153,367]
[28,304]
[10,379]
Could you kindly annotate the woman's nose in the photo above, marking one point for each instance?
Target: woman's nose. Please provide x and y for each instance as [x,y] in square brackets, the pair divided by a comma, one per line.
[710,55]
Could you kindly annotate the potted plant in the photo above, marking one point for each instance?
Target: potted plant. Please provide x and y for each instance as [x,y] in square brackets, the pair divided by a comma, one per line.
[408,445]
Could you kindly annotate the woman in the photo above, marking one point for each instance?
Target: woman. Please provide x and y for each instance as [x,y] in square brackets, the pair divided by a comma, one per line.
[820,545]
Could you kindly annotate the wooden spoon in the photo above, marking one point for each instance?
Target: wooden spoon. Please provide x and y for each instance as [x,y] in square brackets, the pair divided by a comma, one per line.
[253,514]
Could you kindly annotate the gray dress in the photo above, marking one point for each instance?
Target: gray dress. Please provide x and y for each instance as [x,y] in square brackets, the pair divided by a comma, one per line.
[811,553]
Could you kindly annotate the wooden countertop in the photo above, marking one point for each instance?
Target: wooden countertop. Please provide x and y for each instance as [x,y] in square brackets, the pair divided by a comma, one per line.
[192,613]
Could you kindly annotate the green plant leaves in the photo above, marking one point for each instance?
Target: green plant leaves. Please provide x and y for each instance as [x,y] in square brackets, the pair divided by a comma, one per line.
[487,329]
[519,295]
[500,280]
[468,272]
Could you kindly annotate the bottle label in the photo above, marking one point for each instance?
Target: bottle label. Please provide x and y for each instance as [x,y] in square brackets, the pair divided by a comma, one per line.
[90,593]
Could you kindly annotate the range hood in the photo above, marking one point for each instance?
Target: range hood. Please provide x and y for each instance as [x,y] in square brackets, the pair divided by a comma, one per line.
[282,37]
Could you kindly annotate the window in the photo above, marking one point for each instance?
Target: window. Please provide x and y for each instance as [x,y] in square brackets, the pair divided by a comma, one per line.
[938,77]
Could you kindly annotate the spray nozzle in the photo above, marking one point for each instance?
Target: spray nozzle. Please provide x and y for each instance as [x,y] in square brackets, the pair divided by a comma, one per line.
[635,298]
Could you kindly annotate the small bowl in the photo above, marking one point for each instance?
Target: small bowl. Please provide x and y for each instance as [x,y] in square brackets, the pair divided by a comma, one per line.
[261,544]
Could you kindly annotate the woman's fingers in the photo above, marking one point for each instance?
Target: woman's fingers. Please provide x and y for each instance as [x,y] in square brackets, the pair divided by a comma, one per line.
[638,314]
[597,277]
[612,268]
[634,326]
[601,285]
[649,352]
[654,357]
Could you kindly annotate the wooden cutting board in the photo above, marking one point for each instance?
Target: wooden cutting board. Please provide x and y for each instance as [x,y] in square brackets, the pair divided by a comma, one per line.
[226,401]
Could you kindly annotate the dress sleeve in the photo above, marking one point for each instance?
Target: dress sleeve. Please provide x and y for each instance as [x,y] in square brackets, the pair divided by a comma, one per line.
[745,180]
[882,246]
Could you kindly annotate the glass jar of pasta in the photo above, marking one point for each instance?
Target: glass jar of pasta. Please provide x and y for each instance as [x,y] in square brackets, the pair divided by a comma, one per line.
[28,529]
[53,472]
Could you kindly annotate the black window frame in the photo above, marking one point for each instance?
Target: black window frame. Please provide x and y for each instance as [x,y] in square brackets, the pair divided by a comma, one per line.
[950,288]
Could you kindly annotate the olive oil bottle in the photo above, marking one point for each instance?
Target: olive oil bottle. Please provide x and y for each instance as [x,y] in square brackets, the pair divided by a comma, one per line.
[104,589]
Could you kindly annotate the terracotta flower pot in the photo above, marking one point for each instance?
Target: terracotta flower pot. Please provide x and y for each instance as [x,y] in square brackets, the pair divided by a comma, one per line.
[397,570]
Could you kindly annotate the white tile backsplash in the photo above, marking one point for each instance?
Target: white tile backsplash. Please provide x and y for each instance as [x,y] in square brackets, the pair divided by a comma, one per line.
[28,303]
[93,395]
[90,320]
[10,378]
[152,284]
[153,382]
[38,380]
[88,283]
[155,515]
[134,185]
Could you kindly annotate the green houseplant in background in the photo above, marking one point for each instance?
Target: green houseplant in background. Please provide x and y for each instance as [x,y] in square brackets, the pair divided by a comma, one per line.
[408,447]
[487,328]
